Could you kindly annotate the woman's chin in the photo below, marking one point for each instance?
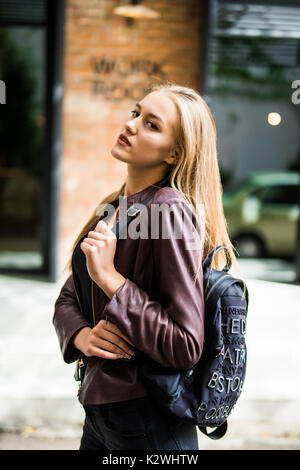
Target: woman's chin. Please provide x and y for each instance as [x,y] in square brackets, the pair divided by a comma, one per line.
[117,153]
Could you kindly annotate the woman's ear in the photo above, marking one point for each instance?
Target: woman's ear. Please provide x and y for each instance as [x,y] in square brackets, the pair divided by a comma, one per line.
[172,159]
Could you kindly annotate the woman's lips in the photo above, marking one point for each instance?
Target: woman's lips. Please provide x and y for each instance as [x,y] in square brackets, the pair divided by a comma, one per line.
[122,140]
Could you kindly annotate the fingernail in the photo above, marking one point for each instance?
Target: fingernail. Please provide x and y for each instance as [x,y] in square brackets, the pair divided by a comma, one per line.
[127,356]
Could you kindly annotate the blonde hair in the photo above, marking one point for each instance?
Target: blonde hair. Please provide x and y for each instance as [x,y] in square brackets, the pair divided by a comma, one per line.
[195,173]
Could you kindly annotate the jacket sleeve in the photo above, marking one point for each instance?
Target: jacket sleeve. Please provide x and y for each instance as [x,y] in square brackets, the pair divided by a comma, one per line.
[170,331]
[68,320]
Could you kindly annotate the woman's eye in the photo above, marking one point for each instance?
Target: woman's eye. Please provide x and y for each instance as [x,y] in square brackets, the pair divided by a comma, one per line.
[153,125]
[135,114]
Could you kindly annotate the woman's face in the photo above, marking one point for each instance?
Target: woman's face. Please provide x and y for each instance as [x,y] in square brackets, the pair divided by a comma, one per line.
[150,132]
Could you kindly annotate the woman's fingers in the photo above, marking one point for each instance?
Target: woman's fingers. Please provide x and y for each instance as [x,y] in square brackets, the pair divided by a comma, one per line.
[108,326]
[96,238]
[102,332]
[98,235]
[111,343]
[94,351]
[119,345]
[107,346]
[93,242]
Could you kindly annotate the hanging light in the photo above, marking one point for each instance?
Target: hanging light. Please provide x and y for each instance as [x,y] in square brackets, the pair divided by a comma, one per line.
[135,10]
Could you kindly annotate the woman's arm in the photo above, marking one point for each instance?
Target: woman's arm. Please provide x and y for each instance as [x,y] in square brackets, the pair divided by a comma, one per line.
[68,320]
[75,334]
[170,331]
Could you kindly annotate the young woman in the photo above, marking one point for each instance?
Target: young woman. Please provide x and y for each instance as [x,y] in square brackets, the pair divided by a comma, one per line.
[134,295]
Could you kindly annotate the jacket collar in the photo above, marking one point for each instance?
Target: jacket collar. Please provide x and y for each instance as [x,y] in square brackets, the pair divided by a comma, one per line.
[138,197]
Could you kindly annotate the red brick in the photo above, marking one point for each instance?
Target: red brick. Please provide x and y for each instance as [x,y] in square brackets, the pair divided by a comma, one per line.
[90,124]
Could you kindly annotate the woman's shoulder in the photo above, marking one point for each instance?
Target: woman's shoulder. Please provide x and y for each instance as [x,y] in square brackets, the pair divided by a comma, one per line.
[173,201]
[168,194]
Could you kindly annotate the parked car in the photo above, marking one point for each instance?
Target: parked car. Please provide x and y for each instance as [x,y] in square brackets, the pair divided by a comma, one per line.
[262,214]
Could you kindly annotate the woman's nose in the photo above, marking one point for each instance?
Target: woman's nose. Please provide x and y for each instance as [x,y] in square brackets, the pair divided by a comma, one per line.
[131,126]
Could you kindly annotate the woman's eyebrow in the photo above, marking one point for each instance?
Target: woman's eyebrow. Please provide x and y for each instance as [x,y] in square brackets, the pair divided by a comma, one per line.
[150,114]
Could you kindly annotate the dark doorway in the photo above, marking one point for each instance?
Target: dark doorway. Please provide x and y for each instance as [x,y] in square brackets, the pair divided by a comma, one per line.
[31,43]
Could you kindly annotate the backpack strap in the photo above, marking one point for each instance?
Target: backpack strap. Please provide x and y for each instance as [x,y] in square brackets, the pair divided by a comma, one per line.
[208,260]
[219,432]
[220,286]
[121,226]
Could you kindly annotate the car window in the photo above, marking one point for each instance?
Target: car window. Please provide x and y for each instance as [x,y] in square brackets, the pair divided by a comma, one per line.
[283,194]
[258,193]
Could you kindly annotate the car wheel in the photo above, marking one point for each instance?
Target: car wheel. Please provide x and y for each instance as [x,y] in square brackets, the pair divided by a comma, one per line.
[249,246]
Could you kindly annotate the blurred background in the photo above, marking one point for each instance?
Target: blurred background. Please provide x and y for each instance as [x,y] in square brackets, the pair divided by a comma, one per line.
[70,70]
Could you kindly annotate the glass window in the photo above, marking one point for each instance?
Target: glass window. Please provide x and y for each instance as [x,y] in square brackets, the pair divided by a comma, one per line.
[282,195]
[22,134]
[253,59]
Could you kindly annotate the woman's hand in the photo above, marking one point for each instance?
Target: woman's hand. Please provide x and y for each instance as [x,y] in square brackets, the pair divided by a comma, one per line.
[99,249]
[104,340]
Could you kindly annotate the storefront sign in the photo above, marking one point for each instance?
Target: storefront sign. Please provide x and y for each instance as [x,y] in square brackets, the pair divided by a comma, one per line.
[124,78]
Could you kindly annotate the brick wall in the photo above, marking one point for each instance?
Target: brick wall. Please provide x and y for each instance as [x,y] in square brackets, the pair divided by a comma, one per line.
[108,63]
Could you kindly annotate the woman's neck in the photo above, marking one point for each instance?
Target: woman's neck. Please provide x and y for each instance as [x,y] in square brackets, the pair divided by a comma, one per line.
[135,184]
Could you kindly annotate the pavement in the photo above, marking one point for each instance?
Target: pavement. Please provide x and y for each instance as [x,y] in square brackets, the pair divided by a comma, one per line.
[246,435]
[38,395]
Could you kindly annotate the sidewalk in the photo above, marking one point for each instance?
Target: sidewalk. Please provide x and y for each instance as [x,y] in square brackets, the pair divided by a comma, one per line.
[240,436]
[38,390]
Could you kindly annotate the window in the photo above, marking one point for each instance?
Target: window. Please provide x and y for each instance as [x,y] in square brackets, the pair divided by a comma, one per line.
[288,195]
[31,51]
[22,133]
[253,58]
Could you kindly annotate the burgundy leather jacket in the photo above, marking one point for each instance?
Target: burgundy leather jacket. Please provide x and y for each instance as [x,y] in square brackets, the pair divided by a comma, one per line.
[159,307]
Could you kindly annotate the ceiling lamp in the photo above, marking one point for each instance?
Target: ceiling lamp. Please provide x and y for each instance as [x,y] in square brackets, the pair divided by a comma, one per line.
[135,10]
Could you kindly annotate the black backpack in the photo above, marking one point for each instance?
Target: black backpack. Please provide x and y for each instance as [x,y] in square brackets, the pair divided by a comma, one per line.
[206,394]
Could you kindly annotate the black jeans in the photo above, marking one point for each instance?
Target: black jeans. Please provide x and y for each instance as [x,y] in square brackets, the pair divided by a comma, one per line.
[135,424]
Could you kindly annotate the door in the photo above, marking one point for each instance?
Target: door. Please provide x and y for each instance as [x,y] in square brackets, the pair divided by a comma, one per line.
[30,69]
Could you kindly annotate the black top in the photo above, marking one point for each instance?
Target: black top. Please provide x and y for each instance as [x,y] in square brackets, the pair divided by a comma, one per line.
[85,282]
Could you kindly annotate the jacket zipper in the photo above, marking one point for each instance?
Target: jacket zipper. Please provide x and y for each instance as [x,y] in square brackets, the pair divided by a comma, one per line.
[80,362]
[93,303]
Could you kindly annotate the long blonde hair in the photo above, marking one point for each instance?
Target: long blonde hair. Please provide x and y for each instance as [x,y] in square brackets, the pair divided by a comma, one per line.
[195,174]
